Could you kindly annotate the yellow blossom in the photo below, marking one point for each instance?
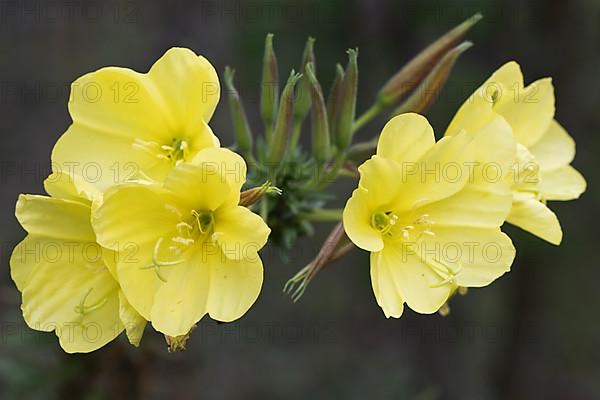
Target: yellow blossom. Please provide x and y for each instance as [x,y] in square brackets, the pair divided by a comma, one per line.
[63,274]
[542,169]
[129,125]
[196,248]
[428,216]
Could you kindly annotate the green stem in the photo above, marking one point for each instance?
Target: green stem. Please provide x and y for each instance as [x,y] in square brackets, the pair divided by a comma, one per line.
[323,215]
[367,116]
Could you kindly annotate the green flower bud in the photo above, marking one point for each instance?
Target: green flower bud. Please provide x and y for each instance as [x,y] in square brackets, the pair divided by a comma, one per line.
[319,124]
[241,127]
[347,102]
[269,86]
[333,100]
[283,126]
[303,98]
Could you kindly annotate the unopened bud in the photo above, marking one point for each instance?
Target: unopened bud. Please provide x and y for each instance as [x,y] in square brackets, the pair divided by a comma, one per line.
[241,127]
[347,106]
[303,98]
[252,195]
[424,95]
[269,87]
[407,78]
[319,124]
[283,126]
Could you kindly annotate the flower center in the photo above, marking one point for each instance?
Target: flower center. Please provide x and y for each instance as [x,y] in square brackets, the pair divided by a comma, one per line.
[174,152]
[407,228]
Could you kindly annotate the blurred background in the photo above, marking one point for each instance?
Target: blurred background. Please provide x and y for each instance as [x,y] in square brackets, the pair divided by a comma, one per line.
[535,333]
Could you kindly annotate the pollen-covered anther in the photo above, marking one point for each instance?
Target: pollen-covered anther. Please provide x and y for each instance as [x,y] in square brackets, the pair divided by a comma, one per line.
[174,152]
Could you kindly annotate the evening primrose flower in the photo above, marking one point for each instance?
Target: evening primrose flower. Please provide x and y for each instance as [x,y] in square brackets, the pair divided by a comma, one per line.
[427,215]
[130,125]
[64,275]
[197,249]
[542,170]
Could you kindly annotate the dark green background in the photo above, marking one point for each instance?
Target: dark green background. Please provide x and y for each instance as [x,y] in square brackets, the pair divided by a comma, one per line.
[532,334]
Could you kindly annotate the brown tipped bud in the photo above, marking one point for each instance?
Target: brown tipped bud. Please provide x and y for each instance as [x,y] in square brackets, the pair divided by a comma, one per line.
[252,195]
[405,80]
[424,95]
[270,86]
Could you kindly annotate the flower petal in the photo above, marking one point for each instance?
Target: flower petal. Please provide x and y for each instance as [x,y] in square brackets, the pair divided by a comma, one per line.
[240,232]
[480,255]
[63,281]
[55,218]
[530,214]
[201,186]
[555,148]
[381,178]
[229,164]
[405,138]
[564,183]
[529,111]
[422,289]
[384,288]
[357,222]
[198,91]
[133,322]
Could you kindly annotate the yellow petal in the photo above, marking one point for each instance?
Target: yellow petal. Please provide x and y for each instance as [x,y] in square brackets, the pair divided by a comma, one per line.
[234,286]
[201,186]
[441,172]
[384,288]
[484,206]
[357,222]
[381,178]
[507,75]
[555,148]
[55,218]
[529,110]
[405,138]
[63,282]
[133,322]
[421,288]
[182,300]
[535,217]
[72,187]
[240,232]
[229,164]
[564,183]
[477,255]
[197,91]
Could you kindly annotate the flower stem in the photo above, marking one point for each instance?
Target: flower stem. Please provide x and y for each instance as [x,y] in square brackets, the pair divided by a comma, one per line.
[367,116]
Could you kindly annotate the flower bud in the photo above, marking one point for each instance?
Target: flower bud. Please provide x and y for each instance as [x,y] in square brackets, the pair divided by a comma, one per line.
[347,102]
[405,80]
[283,126]
[333,100]
[303,98]
[241,127]
[269,86]
[424,95]
[319,124]
[252,195]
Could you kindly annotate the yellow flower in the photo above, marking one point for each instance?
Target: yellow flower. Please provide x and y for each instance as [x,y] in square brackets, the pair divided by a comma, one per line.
[62,272]
[196,248]
[428,216]
[542,170]
[128,125]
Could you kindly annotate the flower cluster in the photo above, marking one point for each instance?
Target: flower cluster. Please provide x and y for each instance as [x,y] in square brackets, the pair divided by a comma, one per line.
[166,243]
[148,219]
